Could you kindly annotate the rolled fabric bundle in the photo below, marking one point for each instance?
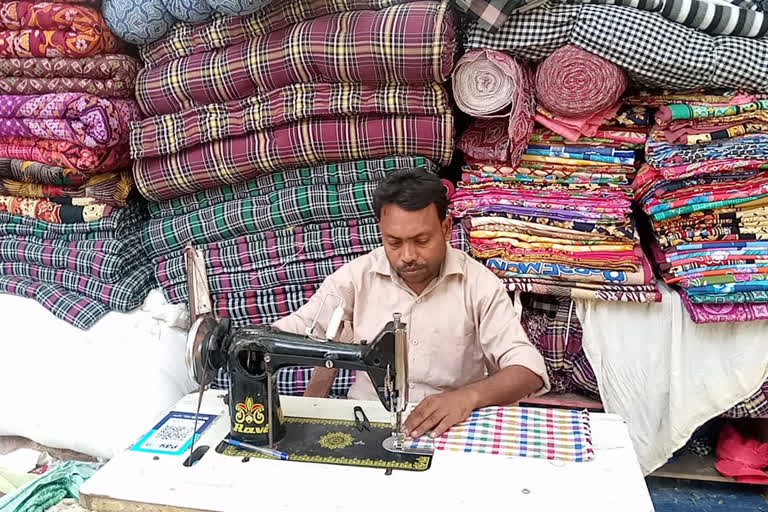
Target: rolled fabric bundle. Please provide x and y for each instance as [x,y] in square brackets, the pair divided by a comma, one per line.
[487,82]
[572,82]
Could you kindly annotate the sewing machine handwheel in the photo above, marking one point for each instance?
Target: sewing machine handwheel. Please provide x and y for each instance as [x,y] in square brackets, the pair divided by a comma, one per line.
[203,351]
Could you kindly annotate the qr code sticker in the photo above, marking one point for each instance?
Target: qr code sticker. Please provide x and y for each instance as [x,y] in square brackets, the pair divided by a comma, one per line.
[173,434]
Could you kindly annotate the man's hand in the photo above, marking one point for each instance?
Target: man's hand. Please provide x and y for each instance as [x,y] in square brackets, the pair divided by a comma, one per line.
[440,412]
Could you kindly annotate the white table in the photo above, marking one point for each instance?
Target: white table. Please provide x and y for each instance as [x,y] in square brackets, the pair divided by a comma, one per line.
[456,481]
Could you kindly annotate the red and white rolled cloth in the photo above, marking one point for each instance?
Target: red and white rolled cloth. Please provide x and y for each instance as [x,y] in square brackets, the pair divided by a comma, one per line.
[572,82]
[493,84]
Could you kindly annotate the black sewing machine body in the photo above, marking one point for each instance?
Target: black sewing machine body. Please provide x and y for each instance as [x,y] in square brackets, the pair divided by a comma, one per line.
[254,354]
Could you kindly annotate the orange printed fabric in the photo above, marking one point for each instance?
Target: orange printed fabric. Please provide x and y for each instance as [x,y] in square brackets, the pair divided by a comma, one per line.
[29,29]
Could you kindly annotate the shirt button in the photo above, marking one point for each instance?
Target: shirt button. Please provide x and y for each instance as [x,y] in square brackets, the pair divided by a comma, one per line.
[411,385]
[418,301]
[415,342]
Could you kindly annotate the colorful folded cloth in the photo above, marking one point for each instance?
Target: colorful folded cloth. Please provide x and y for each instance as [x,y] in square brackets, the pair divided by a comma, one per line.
[59,153]
[78,118]
[184,39]
[111,189]
[53,211]
[305,143]
[107,260]
[329,174]
[124,295]
[654,51]
[80,311]
[410,43]
[298,206]
[269,250]
[40,29]
[106,76]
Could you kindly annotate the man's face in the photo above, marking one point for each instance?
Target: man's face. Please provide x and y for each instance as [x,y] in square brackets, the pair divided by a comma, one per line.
[414,242]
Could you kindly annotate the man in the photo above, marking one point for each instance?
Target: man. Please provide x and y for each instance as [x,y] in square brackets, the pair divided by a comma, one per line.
[466,349]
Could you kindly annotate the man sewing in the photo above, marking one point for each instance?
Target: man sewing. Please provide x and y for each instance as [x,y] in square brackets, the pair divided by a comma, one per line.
[466,347]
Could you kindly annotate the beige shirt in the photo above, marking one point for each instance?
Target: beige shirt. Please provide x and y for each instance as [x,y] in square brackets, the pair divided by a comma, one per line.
[462,325]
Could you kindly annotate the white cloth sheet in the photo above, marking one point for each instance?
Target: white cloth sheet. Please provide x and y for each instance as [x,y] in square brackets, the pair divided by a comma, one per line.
[94,391]
[666,375]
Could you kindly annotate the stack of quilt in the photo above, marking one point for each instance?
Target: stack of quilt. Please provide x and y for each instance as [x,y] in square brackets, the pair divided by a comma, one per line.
[267,135]
[68,235]
[705,189]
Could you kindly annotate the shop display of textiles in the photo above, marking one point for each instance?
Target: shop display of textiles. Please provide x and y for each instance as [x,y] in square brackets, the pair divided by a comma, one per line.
[69,227]
[265,154]
[705,190]
[549,209]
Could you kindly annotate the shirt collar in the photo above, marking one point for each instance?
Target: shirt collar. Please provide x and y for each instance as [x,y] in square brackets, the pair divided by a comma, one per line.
[453,264]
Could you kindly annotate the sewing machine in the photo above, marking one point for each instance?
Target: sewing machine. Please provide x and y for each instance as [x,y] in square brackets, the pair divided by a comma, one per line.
[254,354]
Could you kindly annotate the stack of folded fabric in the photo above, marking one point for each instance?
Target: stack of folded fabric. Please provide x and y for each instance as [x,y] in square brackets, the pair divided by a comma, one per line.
[267,135]
[705,189]
[553,216]
[68,235]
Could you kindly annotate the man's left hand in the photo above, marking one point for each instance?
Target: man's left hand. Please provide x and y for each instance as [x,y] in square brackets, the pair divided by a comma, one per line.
[440,412]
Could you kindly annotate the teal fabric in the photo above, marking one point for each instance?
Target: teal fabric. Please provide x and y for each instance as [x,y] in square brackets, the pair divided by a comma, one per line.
[61,482]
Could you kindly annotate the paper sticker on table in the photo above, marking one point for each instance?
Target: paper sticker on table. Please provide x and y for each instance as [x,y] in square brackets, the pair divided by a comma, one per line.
[173,434]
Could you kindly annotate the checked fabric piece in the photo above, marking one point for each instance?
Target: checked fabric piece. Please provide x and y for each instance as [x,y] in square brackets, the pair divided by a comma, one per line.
[552,434]
[654,51]
[412,43]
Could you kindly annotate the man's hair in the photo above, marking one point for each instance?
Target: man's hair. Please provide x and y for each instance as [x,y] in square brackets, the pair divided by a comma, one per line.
[411,189]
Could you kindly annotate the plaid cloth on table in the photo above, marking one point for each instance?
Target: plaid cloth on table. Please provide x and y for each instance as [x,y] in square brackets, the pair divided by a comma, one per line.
[656,52]
[306,143]
[125,295]
[273,250]
[410,43]
[291,207]
[171,133]
[552,434]
[107,261]
[75,309]
[184,39]
[330,174]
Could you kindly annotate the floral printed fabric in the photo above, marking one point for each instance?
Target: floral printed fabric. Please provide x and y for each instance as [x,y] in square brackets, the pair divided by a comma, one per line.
[37,29]
[65,154]
[107,76]
[49,211]
[79,118]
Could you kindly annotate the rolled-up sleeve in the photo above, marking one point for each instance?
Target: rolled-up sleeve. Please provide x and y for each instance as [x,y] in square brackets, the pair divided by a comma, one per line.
[337,286]
[502,338]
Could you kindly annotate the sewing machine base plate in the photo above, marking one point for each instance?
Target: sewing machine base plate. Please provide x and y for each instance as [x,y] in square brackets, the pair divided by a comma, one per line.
[339,442]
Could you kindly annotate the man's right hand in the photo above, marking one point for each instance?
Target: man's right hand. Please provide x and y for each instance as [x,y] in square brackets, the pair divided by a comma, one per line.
[320,384]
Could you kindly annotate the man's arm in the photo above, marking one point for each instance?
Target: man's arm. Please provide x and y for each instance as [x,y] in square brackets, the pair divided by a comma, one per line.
[516,369]
[440,412]
[337,284]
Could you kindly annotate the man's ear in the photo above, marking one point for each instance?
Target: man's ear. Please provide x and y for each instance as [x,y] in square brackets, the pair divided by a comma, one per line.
[446,225]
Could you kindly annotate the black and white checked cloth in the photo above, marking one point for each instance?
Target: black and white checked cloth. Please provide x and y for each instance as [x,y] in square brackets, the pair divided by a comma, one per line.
[293,381]
[654,51]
